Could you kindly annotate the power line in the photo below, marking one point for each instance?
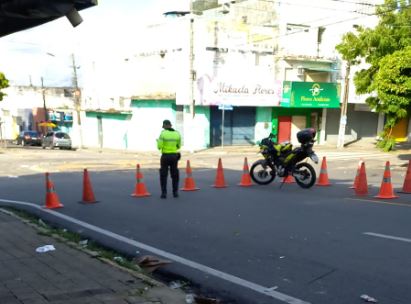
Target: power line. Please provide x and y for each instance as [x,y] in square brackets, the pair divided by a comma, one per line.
[343,1]
[324,7]
[349,19]
[239,6]
[360,3]
[339,21]
[382,13]
[243,5]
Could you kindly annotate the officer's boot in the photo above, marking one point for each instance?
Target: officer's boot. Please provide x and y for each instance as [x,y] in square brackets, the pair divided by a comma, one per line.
[163,183]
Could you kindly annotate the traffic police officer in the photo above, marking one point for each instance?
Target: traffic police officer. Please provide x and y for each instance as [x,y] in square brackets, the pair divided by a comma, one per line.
[169,144]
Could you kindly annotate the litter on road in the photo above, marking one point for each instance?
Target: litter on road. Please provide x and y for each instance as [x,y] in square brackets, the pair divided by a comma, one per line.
[176,284]
[369,299]
[118,259]
[151,263]
[45,248]
[83,243]
[190,299]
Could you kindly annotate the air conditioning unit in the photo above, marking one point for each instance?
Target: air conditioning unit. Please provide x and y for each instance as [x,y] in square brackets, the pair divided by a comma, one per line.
[300,71]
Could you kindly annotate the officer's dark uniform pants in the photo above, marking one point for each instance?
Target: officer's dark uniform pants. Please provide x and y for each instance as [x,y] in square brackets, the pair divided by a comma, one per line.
[166,161]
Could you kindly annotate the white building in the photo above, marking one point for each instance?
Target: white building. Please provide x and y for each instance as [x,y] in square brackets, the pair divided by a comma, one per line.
[23,109]
[227,52]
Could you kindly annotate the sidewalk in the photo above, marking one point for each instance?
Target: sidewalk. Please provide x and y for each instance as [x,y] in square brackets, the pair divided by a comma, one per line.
[66,275]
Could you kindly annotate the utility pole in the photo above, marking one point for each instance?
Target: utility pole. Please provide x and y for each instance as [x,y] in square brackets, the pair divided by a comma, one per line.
[77,95]
[43,93]
[1,134]
[191,65]
[344,105]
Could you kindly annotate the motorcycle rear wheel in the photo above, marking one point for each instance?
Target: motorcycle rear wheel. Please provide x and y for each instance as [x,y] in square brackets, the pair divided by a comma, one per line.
[304,175]
[261,172]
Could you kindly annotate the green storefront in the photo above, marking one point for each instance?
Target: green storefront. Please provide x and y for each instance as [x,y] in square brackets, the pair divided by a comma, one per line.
[301,107]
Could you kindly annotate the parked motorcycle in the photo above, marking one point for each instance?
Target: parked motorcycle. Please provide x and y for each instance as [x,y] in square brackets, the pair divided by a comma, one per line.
[283,160]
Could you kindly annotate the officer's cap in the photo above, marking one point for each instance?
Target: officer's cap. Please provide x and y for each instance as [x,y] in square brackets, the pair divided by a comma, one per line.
[166,123]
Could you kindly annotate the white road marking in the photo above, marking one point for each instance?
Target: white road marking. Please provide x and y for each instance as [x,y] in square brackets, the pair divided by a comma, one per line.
[222,275]
[391,237]
[381,202]
[349,155]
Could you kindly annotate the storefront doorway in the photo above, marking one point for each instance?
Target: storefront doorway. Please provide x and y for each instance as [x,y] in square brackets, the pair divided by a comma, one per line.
[289,126]
[290,121]
[239,126]
[297,124]
[284,128]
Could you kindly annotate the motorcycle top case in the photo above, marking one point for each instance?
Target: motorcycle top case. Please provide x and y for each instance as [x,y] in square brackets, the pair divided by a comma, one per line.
[306,135]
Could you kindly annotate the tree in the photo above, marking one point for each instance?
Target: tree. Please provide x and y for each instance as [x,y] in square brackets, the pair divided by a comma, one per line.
[351,49]
[386,50]
[4,83]
[393,86]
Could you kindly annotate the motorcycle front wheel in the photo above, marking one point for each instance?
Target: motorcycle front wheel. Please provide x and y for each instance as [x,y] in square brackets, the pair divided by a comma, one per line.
[261,172]
[304,175]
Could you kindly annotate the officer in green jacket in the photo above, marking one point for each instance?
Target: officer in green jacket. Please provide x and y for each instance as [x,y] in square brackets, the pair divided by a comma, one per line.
[169,144]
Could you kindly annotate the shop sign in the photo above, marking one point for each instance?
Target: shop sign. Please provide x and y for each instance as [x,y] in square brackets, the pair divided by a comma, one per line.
[54,116]
[68,116]
[59,116]
[238,91]
[225,107]
[311,95]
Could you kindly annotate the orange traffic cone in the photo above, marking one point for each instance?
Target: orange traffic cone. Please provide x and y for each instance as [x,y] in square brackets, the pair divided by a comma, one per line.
[245,178]
[357,175]
[52,199]
[189,183]
[289,179]
[140,189]
[219,179]
[323,179]
[361,188]
[88,193]
[386,190]
[406,188]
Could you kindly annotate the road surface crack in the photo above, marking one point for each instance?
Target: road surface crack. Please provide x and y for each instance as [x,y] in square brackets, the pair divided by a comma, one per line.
[322,276]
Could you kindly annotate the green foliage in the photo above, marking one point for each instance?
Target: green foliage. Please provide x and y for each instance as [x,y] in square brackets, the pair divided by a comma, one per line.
[387,142]
[393,86]
[387,50]
[4,83]
[351,48]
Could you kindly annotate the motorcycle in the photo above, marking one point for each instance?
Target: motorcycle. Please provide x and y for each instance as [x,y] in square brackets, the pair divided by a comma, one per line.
[283,160]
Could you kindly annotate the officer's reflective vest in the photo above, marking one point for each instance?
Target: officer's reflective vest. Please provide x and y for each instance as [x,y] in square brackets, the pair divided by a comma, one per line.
[169,141]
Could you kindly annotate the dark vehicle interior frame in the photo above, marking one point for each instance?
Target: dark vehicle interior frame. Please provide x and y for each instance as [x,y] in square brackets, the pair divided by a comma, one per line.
[19,15]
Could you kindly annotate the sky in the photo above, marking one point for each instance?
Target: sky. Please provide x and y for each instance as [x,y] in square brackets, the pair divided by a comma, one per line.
[112,27]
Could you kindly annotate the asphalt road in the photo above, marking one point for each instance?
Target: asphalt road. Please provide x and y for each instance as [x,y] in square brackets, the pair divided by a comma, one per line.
[262,244]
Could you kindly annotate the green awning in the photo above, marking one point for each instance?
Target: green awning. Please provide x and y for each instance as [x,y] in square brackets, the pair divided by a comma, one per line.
[110,115]
[321,69]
